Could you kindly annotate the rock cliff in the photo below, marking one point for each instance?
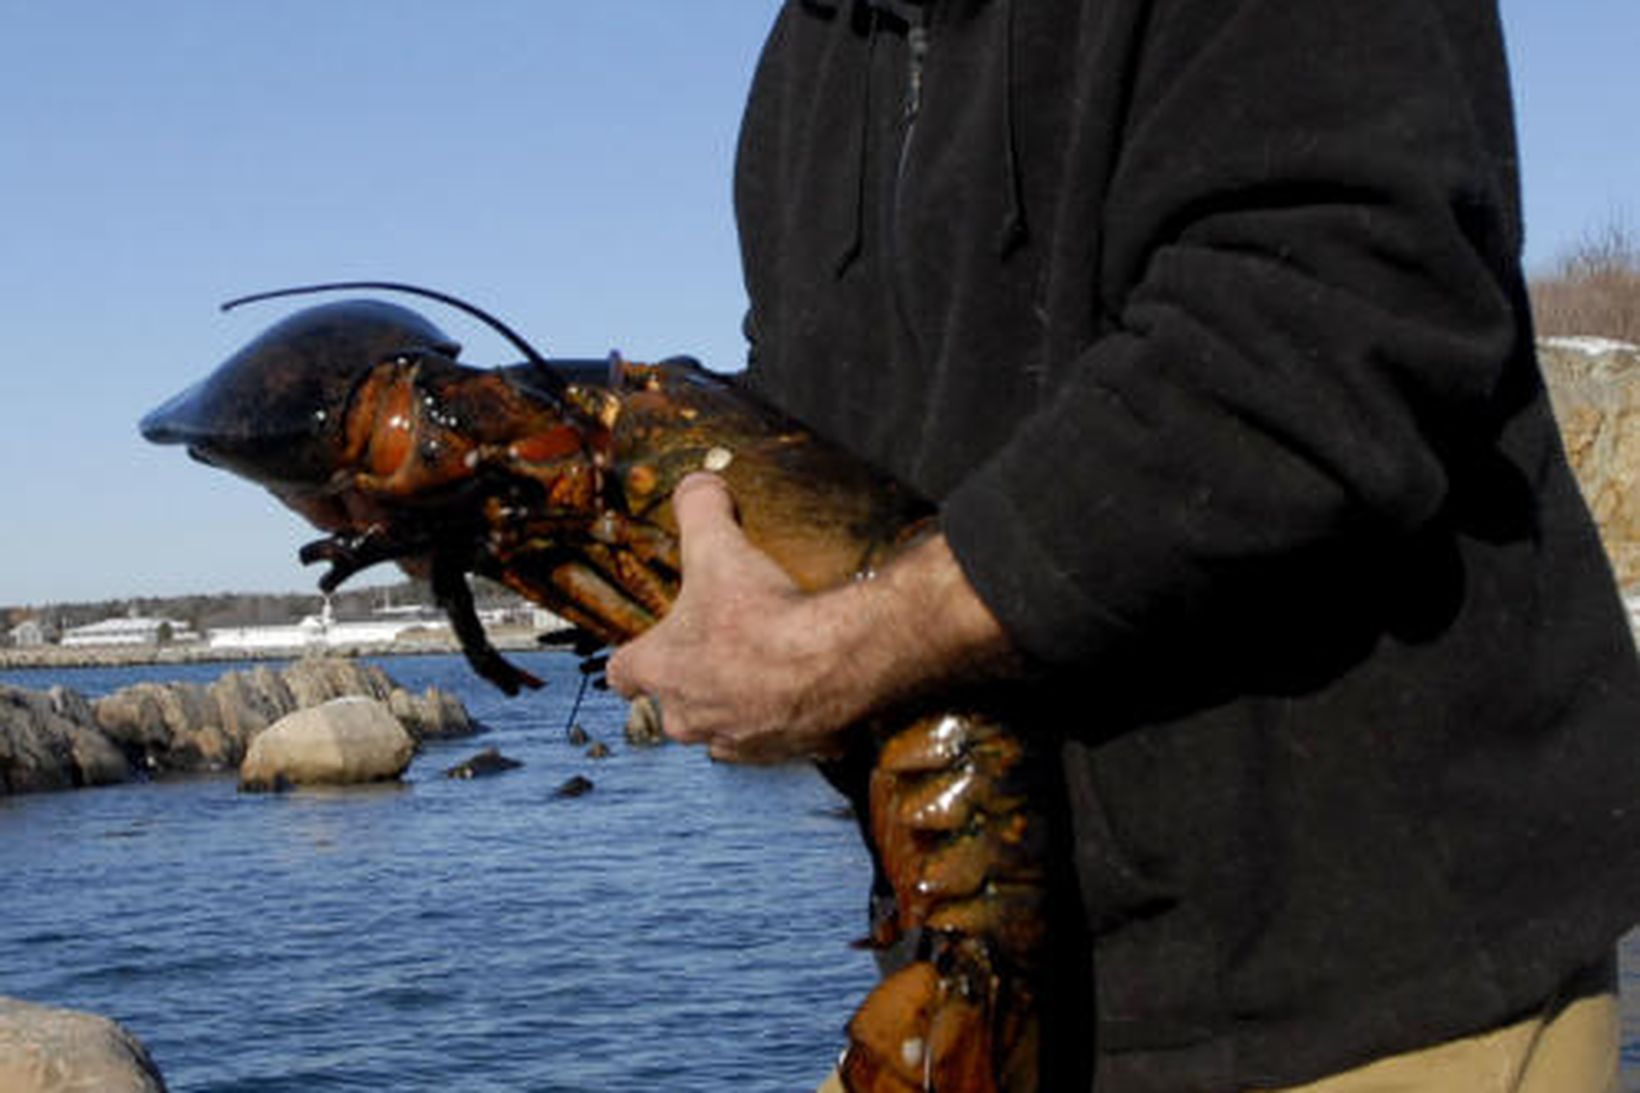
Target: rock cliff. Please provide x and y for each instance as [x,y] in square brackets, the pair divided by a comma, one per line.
[1595,387]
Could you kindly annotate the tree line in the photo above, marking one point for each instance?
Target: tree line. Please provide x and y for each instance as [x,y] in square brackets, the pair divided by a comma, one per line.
[1593,288]
[217,610]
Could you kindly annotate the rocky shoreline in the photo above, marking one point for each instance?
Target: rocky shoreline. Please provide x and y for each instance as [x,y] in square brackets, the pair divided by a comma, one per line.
[59,739]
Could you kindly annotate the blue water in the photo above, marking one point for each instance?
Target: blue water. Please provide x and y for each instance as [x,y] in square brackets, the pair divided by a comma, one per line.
[682,927]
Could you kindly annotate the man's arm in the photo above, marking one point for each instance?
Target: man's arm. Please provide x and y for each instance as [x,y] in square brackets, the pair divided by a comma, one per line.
[760,671]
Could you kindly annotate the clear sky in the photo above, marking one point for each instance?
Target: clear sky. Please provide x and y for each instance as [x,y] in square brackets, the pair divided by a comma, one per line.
[566,165]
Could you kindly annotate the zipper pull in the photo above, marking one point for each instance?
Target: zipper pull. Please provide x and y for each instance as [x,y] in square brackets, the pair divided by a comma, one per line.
[916,38]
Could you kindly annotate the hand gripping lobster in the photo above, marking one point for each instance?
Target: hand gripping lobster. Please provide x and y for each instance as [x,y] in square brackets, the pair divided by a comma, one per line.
[555,479]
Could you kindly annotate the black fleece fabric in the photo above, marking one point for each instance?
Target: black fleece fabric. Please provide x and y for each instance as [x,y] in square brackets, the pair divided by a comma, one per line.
[1203,321]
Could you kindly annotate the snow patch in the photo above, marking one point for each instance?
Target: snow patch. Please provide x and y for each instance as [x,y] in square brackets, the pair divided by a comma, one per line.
[1593,346]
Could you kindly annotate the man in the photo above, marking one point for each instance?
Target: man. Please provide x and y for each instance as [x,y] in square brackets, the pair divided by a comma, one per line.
[1203,322]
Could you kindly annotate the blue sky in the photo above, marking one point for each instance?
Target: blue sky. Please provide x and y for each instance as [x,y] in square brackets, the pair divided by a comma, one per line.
[566,165]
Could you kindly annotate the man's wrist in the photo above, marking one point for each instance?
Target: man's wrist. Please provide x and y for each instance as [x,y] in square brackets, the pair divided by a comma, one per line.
[915,627]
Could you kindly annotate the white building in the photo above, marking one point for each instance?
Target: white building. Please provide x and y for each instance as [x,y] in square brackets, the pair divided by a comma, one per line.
[131,630]
[27,634]
[323,631]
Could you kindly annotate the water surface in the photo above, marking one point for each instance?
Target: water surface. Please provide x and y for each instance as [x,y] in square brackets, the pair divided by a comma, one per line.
[684,926]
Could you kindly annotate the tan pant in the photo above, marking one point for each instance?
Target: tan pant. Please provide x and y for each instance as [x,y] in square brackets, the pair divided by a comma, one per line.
[1571,1047]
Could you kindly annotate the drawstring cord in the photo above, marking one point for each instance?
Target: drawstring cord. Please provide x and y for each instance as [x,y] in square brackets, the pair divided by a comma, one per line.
[914,15]
[1013,218]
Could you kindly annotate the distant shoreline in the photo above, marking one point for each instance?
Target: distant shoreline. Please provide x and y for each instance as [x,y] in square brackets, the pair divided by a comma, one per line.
[123,656]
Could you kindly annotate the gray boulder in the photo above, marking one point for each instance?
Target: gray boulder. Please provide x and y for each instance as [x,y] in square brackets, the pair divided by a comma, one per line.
[431,715]
[343,741]
[168,727]
[47,1050]
[43,747]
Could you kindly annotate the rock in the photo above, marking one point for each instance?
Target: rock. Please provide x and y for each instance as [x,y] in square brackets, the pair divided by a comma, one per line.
[487,762]
[315,680]
[96,758]
[133,718]
[343,741]
[169,727]
[431,715]
[575,786]
[1595,387]
[62,740]
[47,1050]
[577,736]
[598,750]
[99,762]
[247,703]
[643,723]
[42,747]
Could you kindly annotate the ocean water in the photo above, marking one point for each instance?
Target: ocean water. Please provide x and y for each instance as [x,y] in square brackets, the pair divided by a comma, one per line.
[684,926]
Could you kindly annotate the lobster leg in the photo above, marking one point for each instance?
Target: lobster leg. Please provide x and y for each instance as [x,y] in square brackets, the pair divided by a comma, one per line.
[349,554]
[453,594]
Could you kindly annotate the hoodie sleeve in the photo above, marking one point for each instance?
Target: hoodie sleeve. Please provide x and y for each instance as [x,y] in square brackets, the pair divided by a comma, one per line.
[1313,329]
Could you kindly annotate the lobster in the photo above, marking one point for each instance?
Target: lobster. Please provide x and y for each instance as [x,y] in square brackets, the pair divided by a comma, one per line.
[554,478]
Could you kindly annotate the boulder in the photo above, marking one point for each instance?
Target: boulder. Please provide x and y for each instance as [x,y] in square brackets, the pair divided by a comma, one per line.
[1594,384]
[246,703]
[343,741]
[42,747]
[485,763]
[134,719]
[316,679]
[168,727]
[574,786]
[643,723]
[431,715]
[47,1050]
[99,762]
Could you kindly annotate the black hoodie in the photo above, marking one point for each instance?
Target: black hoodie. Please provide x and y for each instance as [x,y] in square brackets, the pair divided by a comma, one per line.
[1203,321]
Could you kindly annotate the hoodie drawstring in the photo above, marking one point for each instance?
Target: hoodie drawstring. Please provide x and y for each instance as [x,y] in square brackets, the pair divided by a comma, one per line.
[913,14]
[1013,216]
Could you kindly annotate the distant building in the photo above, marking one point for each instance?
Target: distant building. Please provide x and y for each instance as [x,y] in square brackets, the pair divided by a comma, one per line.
[27,634]
[325,631]
[521,614]
[132,630]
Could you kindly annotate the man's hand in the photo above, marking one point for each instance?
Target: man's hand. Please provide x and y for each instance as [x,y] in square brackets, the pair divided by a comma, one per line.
[759,671]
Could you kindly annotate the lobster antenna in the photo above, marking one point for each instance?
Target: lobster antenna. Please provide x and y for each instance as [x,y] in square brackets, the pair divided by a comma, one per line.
[456,302]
